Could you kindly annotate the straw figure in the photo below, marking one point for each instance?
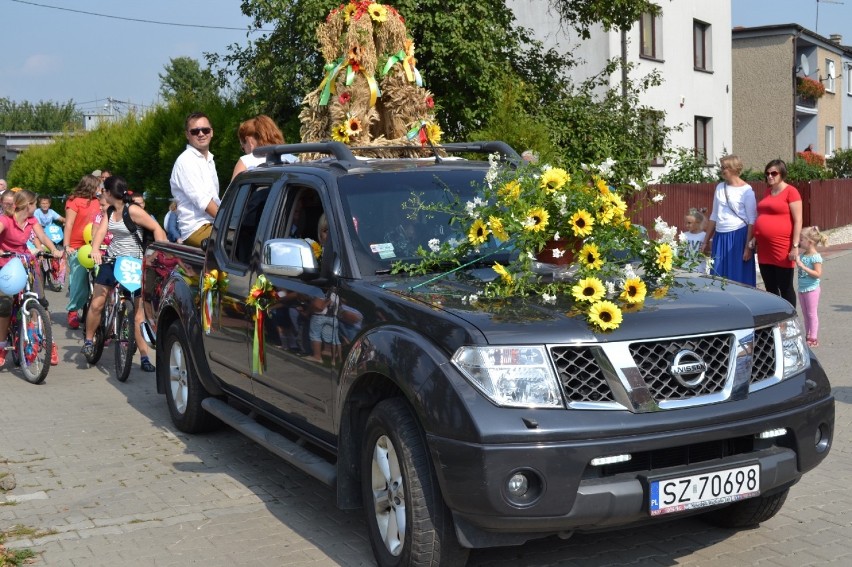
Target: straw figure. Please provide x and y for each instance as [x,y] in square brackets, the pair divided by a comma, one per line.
[372,92]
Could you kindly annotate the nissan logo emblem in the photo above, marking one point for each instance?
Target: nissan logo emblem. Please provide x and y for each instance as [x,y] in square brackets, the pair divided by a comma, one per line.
[688,368]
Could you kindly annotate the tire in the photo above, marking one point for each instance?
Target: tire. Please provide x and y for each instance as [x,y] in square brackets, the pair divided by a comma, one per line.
[97,338]
[184,392]
[748,513]
[407,520]
[125,340]
[52,283]
[35,342]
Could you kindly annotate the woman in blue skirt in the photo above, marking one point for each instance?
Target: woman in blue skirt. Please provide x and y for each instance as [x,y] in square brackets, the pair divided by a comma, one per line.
[731,225]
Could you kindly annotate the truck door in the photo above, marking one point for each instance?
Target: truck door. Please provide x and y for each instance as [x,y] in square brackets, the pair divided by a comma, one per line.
[302,351]
[228,341]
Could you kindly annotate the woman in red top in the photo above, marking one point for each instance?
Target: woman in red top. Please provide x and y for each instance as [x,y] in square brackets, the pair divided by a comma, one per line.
[80,210]
[15,232]
[777,230]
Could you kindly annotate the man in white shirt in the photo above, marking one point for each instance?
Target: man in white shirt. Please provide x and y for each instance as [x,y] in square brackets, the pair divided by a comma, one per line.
[194,183]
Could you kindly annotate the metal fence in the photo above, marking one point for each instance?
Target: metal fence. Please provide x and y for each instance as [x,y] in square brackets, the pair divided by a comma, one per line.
[826,203]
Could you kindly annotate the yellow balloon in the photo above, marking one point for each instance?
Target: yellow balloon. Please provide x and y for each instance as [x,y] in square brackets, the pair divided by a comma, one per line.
[84,256]
[87,233]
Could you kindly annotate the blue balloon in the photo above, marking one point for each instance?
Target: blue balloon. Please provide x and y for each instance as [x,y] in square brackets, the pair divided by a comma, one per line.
[13,277]
[54,233]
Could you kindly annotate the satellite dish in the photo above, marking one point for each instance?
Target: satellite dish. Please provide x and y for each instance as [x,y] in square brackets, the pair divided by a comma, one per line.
[804,67]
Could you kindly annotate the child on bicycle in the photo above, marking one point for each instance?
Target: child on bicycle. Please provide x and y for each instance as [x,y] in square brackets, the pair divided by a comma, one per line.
[123,243]
[15,231]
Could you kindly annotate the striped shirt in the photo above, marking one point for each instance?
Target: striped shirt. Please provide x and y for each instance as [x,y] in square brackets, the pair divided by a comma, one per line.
[122,243]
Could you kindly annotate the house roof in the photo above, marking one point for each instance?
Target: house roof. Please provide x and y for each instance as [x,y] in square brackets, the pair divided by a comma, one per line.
[741,32]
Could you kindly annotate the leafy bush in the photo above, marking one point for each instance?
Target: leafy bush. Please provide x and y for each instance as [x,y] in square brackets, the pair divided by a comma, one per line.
[840,163]
[801,170]
[689,167]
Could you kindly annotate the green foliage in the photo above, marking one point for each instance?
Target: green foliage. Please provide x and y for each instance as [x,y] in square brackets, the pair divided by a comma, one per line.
[141,149]
[840,163]
[611,14]
[751,174]
[184,79]
[800,170]
[689,167]
[40,117]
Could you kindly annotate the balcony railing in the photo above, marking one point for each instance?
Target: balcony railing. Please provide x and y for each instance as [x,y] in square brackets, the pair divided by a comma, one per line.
[806,102]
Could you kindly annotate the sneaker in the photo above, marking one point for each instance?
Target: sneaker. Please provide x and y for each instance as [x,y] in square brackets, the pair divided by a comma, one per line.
[54,356]
[147,366]
[73,320]
[88,348]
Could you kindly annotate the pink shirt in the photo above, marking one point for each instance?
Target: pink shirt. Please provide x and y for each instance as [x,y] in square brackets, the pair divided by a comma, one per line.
[14,238]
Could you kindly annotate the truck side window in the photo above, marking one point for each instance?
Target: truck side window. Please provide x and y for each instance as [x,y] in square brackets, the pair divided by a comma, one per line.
[304,215]
[244,221]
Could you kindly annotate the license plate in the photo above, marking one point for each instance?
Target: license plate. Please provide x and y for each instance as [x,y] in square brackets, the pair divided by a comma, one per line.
[705,489]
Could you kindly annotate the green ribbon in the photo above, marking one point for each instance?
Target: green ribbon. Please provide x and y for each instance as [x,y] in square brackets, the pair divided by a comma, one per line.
[327,85]
[411,72]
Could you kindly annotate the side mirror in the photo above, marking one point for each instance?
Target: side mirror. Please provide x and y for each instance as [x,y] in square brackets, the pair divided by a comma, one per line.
[289,257]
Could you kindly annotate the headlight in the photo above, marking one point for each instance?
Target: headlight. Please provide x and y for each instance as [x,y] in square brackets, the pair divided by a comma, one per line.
[796,357]
[511,376]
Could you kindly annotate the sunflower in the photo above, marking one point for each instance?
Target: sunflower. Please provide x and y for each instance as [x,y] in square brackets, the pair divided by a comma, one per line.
[634,291]
[348,12]
[605,212]
[602,186]
[353,126]
[660,292]
[502,272]
[378,12]
[588,289]
[338,133]
[664,257]
[605,315]
[553,179]
[590,256]
[536,220]
[478,233]
[581,223]
[433,132]
[497,228]
[511,191]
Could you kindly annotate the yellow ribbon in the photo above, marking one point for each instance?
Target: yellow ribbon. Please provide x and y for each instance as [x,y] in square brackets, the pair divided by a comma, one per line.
[213,285]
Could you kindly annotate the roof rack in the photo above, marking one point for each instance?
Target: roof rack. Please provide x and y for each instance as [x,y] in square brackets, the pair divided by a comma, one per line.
[344,157]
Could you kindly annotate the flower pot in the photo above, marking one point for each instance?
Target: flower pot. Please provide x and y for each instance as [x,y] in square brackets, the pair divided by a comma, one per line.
[570,246]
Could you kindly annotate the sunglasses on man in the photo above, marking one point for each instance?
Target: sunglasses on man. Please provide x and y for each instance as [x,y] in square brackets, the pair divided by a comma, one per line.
[197,131]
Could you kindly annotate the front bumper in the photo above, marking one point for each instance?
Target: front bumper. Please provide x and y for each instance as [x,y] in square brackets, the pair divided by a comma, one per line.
[572,495]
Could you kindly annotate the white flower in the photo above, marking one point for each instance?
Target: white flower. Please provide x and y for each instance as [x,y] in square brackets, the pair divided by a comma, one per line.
[558,252]
[453,242]
[531,255]
[434,244]
[658,198]
[610,288]
[556,236]
[547,298]
[629,272]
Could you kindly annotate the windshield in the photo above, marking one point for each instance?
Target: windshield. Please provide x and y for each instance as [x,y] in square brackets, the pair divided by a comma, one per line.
[384,231]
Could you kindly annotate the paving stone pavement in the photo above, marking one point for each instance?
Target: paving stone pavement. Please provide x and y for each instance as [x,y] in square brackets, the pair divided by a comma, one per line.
[104,479]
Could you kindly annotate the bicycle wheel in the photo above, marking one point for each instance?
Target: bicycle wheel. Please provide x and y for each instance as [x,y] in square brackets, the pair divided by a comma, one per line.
[35,342]
[97,339]
[125,339]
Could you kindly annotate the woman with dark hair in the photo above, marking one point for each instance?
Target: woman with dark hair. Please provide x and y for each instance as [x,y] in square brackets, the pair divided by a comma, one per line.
[777,231]
[80,209]
[123,243]
[254,133]
[730,225]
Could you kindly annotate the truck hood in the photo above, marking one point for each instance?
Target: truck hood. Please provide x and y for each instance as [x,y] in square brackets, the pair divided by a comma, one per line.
[694,304]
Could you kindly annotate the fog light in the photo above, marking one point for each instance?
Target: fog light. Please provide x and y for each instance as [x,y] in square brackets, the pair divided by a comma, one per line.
[822,438]
[518,485]
[770,433]
[611,460]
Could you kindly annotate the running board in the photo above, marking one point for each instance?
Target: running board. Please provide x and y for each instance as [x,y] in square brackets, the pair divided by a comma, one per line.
[294,454]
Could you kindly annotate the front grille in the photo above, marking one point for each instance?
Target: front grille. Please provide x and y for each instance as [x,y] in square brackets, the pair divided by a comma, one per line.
[763,359]
[654,359]
[675,456]
[580,375]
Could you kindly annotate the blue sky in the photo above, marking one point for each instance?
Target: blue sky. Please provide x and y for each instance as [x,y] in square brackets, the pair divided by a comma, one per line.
[58,55]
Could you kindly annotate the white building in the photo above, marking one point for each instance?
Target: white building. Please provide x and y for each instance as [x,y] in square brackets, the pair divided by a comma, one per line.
[689,44]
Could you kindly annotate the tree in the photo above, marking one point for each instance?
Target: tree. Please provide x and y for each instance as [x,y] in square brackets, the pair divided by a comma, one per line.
[184,79]
[610,14]
[40,117]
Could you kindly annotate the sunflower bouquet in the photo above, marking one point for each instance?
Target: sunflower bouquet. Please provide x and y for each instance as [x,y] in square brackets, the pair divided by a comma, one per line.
[571,237]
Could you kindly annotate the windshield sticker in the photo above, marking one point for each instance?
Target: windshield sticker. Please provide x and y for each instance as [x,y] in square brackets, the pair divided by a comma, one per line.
[384,250]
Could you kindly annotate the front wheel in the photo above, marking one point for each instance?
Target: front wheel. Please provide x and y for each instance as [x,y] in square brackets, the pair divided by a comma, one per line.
[125,339]
[35,342]
[97,338]
[184,391]
[747,513]
[407,520]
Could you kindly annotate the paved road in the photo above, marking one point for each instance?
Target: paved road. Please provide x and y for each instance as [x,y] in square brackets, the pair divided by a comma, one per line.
[103,479]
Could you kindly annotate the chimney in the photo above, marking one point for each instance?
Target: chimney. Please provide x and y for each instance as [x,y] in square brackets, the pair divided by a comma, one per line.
[836,38]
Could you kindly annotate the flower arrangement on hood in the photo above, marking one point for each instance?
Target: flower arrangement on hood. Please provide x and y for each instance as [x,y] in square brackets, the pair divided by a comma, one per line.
[547,214]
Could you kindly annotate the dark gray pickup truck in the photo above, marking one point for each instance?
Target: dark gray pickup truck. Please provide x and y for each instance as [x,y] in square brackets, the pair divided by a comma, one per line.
[458,426]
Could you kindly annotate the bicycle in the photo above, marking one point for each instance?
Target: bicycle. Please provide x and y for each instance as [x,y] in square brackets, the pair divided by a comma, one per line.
[117,318]
[30,331]
[50,266]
